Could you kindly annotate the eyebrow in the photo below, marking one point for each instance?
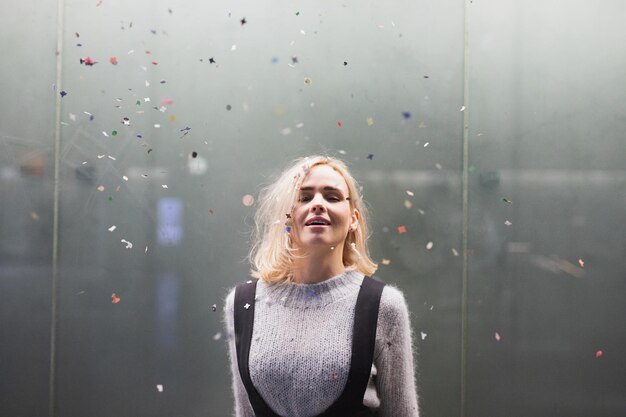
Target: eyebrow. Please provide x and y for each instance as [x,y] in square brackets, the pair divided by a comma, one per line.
[328,187]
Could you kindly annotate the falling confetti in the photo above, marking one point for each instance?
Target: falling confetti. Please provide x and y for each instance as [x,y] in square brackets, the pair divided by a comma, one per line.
[114,299]
[429,245]
[423,335]
[370,121]
[247,200]
[497,336]
[370,156]
[507,200]
[599,354]
[63,93]
[247,306]
[88,62]
[408,204]
[113,60]
[159,388]
[401,229]
[112,228]
[422,125]
[386,261]
[308,81]
[462,108]
[339,124]
[243,21]
[581,263]
[217,336]
[411,193]
[128,244]
[100,188]
[406,115]
[214,307]
[508,223]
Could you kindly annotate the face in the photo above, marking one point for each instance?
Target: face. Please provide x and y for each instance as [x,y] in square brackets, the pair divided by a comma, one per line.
[322,196]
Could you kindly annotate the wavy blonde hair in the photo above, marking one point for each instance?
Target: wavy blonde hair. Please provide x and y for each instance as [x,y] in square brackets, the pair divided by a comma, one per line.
[271,255]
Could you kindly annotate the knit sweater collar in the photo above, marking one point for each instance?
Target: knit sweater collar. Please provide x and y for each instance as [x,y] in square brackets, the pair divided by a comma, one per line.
[296,295]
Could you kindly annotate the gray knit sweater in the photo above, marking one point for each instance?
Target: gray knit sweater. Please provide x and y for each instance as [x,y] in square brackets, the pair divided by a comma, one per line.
[301,348]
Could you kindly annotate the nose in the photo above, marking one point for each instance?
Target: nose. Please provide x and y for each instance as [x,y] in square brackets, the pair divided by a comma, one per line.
[317,204]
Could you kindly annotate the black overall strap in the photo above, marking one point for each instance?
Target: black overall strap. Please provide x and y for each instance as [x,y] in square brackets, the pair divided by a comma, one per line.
[350,403]
[244,321]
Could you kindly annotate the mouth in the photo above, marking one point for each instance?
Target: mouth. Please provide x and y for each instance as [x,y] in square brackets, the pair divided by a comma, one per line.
[317,222]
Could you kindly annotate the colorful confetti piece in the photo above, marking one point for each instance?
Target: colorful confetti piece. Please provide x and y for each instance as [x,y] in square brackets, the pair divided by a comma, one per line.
[401,229]
[247,200]
[114,298]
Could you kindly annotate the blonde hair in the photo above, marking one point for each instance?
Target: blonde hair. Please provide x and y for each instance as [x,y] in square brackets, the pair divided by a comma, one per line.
[271,254]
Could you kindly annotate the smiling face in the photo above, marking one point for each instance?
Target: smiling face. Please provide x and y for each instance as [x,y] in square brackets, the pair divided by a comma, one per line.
[322,198]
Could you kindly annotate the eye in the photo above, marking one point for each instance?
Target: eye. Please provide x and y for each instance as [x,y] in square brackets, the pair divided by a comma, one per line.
[334,198]
[304,198]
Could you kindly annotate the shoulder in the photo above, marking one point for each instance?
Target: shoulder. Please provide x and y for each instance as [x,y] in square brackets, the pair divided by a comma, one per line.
[393,310]
[229,299]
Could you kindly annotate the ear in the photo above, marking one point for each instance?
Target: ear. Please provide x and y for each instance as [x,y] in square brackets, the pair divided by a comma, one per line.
[356,215]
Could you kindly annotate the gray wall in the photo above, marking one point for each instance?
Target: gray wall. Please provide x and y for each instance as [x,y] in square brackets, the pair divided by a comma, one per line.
[471,102]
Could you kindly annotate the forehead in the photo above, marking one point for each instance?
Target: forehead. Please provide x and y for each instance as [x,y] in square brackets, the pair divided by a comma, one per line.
[324,175]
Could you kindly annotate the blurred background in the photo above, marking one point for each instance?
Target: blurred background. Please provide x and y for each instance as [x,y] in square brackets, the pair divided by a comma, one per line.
[487,135]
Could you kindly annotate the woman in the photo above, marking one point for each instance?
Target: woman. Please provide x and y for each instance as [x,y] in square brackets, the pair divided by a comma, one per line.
[314,334]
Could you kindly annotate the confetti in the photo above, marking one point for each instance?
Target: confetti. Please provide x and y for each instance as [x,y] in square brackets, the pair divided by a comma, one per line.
[113,60]
[34,216]
[164,185]
[229,107]
[370,121]
[214,307]
[247,306]
[88,62]
[297,13]
[159,388]
[345,63]
[599,354]
[247,200]
[508,223]
[408,204]
[308,81]
[455,252]
[194,154]
[426,144]
[423,335]
[114,298]
[406,115]
[422,125]
[462,108]
[112,228]
[429,245]
[243,21]
[401,229]
[63,93]
[217,336]
[497,336]
[386,261]
[506,200]
[101,188]
[233,48]
[582,263]
[129,245]
[410,193]
[125,178]
[370,156]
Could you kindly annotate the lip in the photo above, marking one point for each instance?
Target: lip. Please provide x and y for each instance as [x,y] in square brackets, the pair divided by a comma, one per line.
[318,226]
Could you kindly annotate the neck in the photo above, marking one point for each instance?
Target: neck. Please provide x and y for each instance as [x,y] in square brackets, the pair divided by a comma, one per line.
[318,267]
